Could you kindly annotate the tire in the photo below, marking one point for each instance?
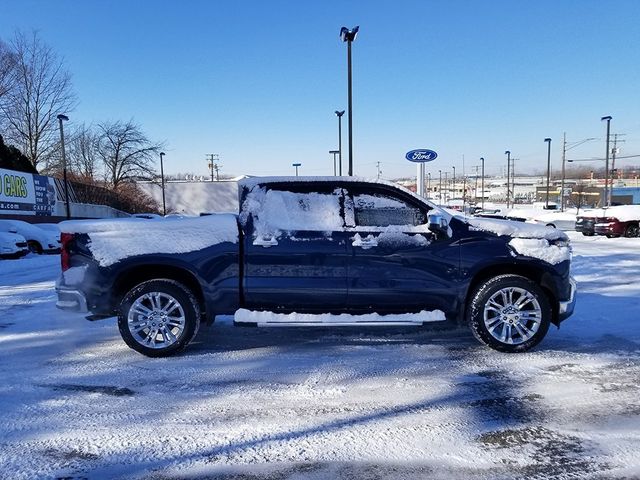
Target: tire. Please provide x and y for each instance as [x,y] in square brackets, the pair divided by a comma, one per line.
[161,305]
[496,319]
[631,231]
[34,247]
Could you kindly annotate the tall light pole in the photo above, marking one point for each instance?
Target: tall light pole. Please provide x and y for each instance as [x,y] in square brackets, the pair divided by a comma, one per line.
[548,140]
[482,160]
[440,188]
[349,36]
[565,149]
[164,203]
[508,154]
[453,182]
[334,153]
[606,164]
[429,185]
[64,118]
[446,187]
[296,165]
[339,114]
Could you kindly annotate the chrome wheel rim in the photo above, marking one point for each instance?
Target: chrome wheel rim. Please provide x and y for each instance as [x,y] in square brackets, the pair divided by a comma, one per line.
[156,320]
[512,315]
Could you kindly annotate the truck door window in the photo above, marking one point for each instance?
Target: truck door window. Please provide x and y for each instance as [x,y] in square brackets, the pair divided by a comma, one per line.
[377,210]
[281,211]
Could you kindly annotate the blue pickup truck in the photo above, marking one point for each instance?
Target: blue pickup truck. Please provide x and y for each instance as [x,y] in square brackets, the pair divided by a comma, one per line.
[335,250]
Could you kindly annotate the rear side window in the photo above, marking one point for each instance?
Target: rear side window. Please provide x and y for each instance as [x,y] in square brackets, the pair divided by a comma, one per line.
[377,210]
[276,211]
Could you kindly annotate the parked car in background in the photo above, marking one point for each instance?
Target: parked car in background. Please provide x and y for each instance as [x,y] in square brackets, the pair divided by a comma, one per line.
[38,239]
[621,221]
[586,222]
[50,227]
[12,245]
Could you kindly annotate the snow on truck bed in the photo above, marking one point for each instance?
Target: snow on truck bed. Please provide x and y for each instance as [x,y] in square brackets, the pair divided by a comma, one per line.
[113,240]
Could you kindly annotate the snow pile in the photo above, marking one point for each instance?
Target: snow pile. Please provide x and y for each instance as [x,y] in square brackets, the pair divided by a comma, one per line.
[515,229]
[624,213]
[276,211]
[249,316]
[540,248]
[113,240]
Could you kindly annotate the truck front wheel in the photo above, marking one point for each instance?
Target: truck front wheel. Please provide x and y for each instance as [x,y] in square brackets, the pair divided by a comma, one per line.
[158,317]
[509,313]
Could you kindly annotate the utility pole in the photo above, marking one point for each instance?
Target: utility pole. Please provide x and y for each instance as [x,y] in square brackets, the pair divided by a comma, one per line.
[440,188]
[508,153]
[614,152]
[475,190]
[513,182]
[548,141]
[606,202]
[482,160]
[379,171]
[213,164]
[446,187]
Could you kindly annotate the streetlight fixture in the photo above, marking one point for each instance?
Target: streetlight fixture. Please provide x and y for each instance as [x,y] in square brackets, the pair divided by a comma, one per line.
[296,165]
[548,140]
[339,114]
[334,153]
[508,154]
[64,118]
[565,149]
[164,203]
[482,186]
[607,196]
[349,36]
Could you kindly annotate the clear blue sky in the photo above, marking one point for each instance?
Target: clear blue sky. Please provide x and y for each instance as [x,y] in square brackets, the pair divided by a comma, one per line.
[258,81]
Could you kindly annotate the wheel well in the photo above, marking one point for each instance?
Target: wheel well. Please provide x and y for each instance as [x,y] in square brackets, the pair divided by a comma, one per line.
[532,273]
[136,275]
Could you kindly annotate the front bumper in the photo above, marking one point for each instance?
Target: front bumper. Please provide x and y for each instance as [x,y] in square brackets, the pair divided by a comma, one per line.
[607,229]
[70,298]
[566,307]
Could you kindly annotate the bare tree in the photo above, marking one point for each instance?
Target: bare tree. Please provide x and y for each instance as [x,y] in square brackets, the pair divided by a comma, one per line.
[41,91]
[83,152]
[126,152]
[7,68]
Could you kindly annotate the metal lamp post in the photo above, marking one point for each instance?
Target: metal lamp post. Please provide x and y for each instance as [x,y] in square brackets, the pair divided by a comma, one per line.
[607,200]
[334,153]
[548,140]
[453,182]
[508,154]
[482,185]
[164,203]
[429,185]
[64,118]
[339,114]
[296,165]
[349,36]
[565,149]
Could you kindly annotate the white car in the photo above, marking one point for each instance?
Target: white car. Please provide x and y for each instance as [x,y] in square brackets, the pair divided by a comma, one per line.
[38,239]
[12,245]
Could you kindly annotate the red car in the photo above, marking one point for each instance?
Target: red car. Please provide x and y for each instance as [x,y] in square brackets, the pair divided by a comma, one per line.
[619,221]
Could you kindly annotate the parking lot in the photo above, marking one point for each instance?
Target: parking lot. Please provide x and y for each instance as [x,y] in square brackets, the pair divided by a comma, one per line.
[288,403]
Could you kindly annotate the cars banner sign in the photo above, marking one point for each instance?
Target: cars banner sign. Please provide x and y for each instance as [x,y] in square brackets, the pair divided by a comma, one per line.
[422,155]
[26,194]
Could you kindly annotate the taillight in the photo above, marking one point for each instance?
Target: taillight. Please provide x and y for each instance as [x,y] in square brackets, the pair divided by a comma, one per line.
[65,239]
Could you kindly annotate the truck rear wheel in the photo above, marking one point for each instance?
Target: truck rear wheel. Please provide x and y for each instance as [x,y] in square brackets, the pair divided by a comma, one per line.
[509,313]
[158,317]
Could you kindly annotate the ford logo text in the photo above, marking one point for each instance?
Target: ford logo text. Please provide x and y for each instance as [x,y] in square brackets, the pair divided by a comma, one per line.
[422,155]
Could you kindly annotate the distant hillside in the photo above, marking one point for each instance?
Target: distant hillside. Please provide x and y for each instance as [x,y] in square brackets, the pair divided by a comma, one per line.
[12,159]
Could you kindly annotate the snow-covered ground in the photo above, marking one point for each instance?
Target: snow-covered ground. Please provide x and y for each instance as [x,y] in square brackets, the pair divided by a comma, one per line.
[287,403]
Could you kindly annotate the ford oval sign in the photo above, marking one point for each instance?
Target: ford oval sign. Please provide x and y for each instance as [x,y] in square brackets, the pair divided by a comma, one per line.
[422,155]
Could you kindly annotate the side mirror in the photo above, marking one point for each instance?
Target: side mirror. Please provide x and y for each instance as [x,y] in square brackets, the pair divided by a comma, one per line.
[438,224]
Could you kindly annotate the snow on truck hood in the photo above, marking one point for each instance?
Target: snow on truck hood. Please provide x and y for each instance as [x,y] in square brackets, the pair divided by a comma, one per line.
[537,241]
[114,240]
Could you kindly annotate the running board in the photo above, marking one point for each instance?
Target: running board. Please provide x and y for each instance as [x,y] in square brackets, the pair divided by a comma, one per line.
[337,324]
[271,319]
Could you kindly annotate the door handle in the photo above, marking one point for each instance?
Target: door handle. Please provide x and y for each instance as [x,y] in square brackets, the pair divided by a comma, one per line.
[364,243]
[265,242]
